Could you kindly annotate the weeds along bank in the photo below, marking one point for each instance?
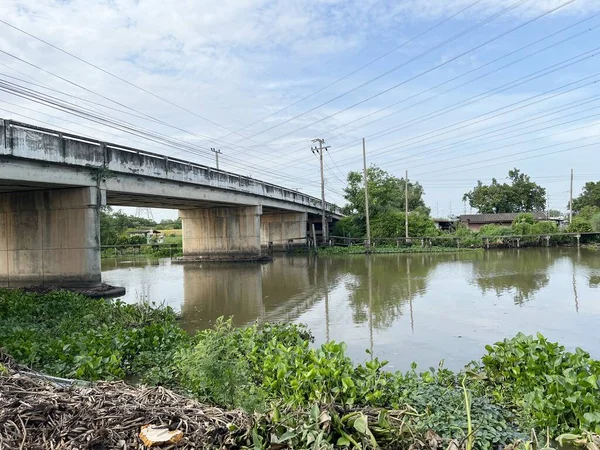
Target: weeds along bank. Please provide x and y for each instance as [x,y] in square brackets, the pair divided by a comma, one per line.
[306,396]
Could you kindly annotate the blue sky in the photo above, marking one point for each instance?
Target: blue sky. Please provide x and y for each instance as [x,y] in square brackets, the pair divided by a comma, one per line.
[459,114]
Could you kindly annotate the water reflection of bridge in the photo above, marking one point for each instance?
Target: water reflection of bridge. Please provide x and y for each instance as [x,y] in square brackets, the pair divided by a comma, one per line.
[280,291]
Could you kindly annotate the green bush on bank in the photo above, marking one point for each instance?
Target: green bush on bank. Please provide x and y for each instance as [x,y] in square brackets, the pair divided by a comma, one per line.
[69,335]
[521,383]
[359,249]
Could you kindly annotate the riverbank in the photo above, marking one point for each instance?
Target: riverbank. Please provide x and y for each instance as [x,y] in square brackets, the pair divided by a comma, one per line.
[302,394]
[359,249]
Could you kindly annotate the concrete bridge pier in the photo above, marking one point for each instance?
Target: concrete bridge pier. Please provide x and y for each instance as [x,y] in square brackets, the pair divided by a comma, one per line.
[230,232]
[50,237]
[281,228]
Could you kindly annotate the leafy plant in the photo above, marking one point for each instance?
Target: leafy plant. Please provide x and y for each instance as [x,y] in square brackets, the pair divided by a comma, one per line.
[69,335]
[550,387]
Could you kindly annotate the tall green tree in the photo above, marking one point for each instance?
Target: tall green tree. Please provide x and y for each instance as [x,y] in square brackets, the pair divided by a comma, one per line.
[589,197]
[386,193]
[386,206]
[520,195]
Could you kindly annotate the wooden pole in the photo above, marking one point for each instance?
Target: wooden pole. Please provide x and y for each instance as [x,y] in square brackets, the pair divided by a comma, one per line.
[571,200]
[406,204]
[366,180]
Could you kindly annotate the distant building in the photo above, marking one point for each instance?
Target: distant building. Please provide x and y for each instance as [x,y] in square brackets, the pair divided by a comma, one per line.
[150,235]
[474,222]
[445,224]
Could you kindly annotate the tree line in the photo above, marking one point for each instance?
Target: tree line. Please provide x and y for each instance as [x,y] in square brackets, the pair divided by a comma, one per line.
[115,225]
[519,194]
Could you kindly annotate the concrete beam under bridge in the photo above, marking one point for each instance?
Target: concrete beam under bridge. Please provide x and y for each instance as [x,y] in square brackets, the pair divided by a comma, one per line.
[50,238]
[280,228]
[221,232]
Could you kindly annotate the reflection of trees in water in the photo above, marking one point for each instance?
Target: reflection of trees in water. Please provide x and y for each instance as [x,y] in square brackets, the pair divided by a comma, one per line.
[396,280]
[589,261]
[524,271]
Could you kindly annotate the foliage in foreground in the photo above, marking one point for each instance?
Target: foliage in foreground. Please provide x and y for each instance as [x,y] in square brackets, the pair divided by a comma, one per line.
[69,335]
[274,368]
[309,394]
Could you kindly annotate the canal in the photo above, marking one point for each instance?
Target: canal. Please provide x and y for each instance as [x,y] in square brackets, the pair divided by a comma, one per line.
[405,308]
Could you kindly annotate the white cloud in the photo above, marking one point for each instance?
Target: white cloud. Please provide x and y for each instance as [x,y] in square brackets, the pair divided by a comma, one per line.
[235,61]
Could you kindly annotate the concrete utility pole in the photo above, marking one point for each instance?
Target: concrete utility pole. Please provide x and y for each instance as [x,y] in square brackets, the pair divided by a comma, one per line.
[320,149]
[571,199]
[406,203]
[217,153]
[368,243]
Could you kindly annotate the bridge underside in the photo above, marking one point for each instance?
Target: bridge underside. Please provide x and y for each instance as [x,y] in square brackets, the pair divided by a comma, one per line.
[50,233]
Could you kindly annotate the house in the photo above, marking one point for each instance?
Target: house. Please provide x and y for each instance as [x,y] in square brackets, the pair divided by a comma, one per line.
[448,225]
[475,221]
[150,235]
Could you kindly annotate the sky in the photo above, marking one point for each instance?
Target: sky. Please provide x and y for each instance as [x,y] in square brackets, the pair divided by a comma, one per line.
[454,91]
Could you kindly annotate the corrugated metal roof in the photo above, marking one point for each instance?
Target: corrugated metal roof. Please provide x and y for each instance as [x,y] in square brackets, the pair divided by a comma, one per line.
[496,218]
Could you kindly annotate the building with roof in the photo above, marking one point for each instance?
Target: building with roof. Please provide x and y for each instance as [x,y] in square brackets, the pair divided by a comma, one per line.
[474,222]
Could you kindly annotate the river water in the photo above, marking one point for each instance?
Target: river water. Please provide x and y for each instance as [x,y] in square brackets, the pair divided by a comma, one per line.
[419,307]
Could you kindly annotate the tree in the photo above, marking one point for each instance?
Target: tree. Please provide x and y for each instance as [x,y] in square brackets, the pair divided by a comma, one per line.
[521,195]
[589,197]
[579,225]
[523,223]
[391,224]
[114,224]
[386,193]
[554,213]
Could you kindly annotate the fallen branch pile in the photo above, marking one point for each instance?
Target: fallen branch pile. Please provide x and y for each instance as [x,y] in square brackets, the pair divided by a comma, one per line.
[37,414]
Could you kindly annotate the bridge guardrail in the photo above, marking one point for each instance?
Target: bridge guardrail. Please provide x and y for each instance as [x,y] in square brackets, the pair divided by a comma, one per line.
[102,144]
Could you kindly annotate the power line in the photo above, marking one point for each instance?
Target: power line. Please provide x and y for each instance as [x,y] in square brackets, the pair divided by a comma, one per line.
[482,117]
[521,80]
[364,66]
[514,160]
[116,124]
[436,47]
[462,75]
[147,116]
[430,162]
[421,73]
[115,76]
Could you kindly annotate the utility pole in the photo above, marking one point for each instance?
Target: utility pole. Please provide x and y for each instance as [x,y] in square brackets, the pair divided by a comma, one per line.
[217,152]
[368,243]
[320,149]
[571,199]
[406,203]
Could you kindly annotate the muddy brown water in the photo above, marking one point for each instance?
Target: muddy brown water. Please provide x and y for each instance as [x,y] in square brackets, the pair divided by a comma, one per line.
[419,307]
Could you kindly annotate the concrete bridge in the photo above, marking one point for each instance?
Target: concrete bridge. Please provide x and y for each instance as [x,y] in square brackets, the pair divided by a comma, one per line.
[53,184]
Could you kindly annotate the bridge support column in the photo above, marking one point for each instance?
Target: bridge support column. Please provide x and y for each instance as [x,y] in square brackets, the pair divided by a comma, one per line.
[281,228]
[50,238]
[221,232]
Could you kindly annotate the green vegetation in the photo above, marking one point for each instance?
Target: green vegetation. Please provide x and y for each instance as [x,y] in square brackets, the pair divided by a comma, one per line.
[114,227]
[521,195]
[590,197]
[359,249]
[387,216]
[69,335]
[307,396]
[386,206]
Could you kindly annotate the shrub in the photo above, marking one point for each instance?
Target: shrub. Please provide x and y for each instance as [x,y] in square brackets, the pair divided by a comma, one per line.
[69,335]
[495,230]
[544,227]
[579,225]
[524,218]
[595,222]
[551,387]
